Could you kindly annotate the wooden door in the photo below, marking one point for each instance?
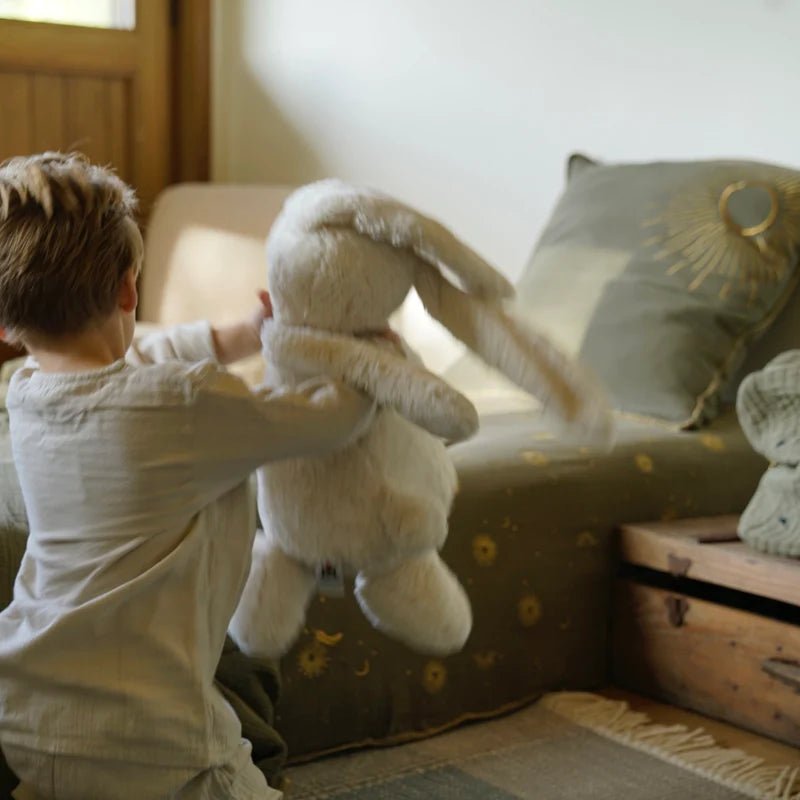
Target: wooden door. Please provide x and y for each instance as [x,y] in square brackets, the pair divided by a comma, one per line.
[106,92]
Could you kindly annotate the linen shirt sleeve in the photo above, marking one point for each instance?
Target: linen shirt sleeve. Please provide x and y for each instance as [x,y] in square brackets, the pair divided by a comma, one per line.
[238,430]
[191,342]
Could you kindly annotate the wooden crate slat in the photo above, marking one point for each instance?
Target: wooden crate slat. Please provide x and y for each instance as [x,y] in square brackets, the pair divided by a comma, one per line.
[677,547]
[720,661]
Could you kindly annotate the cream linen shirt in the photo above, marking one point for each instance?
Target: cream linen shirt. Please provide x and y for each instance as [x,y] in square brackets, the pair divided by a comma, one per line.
[135,479]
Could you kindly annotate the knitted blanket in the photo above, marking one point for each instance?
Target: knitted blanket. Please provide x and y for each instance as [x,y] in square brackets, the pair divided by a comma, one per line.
[768,405]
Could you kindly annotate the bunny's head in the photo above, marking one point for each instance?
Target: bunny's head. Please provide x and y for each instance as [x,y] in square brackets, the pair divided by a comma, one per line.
[342,259]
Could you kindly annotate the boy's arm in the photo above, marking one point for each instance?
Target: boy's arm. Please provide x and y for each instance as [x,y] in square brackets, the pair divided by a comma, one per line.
[199,341]
[192,342]
[238,430]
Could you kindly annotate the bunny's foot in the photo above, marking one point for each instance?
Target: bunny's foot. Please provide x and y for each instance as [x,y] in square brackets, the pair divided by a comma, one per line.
[420,602]
[273,605]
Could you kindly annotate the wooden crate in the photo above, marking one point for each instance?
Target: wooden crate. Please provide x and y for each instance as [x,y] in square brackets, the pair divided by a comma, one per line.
[704,622]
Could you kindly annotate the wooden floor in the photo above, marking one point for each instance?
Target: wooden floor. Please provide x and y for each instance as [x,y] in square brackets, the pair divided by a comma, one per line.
[726,735]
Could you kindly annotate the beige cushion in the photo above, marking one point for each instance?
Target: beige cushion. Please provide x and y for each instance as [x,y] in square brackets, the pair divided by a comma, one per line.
[205,258]
[204,251]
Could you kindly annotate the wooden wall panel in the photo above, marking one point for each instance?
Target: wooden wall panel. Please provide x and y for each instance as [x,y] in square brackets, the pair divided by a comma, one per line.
[49,119]
[191,89]
[119,136]
[87,118]
[138,99]
[15,129]
[68,49]
[152,99]
[50,112]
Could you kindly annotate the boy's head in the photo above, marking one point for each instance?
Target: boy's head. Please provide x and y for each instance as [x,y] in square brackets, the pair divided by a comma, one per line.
[68,244]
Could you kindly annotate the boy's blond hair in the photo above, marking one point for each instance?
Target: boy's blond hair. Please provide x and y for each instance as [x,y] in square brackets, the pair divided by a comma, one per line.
[68,235]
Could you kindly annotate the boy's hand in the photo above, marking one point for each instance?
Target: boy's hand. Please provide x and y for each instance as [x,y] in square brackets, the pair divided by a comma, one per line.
[242,339]
[264,311]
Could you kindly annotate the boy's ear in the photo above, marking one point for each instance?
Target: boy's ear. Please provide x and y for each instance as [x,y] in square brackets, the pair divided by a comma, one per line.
[128,293]
[7,336]
[8,343]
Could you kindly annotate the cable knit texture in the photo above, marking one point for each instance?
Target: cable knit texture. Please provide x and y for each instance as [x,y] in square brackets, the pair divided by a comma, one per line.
[768,405]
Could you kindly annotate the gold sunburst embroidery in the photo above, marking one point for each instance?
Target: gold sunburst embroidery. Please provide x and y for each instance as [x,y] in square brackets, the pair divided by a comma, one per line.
[702,232]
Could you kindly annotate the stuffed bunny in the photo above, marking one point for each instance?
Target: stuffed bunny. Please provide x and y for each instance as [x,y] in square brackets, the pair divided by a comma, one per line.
[342,260]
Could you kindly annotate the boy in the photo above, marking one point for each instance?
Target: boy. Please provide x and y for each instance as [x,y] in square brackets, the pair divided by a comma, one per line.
[134,465]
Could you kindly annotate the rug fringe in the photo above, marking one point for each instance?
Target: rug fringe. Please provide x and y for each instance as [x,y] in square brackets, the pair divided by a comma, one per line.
[694,750]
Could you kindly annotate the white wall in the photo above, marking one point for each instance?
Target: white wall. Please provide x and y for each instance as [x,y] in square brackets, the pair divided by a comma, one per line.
[467,108]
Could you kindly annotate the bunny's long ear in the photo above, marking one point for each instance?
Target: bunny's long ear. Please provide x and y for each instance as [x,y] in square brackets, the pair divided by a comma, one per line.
[386,220]
[335,204]
[528,358]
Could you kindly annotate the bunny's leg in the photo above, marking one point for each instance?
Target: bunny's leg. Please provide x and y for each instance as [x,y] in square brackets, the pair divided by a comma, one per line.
[273,605]
[420,602]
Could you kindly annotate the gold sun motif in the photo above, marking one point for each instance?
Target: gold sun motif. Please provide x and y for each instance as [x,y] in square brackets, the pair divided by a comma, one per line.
[313,660]
[434,677]
[644,463]
[743,233]
[484,550]
[529,610]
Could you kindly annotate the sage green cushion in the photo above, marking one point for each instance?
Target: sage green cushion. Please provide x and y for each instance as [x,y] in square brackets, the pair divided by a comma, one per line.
[660,276]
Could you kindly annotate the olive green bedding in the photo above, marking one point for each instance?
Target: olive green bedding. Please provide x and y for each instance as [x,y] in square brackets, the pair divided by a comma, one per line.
[531,538]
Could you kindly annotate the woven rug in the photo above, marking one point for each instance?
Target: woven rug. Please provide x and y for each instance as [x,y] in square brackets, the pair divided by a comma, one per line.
[568,746]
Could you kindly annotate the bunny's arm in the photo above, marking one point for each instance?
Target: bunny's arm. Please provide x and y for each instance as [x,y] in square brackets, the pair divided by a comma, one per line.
[395,382]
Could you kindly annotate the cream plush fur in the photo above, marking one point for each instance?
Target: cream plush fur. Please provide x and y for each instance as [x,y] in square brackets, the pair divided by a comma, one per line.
[342,260]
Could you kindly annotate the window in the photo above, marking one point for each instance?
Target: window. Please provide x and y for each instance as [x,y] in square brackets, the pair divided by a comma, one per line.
[88,13]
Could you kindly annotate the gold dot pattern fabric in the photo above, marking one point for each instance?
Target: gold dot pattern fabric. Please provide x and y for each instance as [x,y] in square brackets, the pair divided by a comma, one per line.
[532,540]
